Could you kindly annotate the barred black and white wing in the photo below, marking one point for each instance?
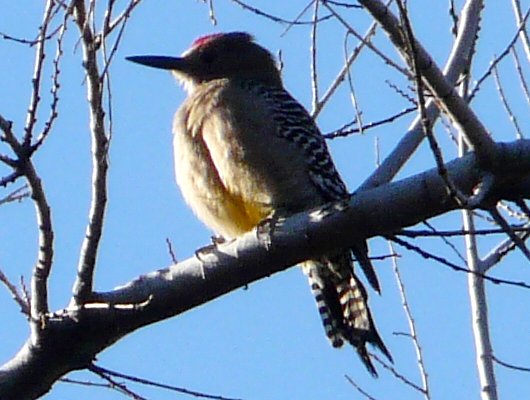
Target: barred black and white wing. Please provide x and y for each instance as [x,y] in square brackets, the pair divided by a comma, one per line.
[340,296]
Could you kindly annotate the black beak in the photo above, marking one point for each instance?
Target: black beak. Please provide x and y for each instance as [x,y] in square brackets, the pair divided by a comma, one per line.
[162,62]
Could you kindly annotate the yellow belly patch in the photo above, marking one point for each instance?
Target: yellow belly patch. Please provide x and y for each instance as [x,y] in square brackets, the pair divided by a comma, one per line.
[240,215]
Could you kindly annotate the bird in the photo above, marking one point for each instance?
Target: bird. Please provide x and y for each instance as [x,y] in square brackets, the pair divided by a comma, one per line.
[245,149]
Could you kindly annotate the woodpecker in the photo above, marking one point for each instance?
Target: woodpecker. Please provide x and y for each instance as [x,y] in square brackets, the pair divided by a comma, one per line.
[244,149]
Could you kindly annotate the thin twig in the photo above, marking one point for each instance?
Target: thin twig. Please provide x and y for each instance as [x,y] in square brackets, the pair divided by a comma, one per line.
[342,73]
[498,59]
[459,232]
[427,255]
[313,50]
[521,22]
[522,79]
[55,86]
[506,105]
[85,383]
[511,366]
[447,97]
[452,191]
[19,299]
[359,389]
[211,12]
[456,64]
[120,387]
[100,370]
[18,194]
[395,373]
[412,327]
[453,14]
[31,116]
[275,18]
[125,14]
[446,241]
[171,252]
[504,225]
[353,97]
[502,249]
[368,44]
[342,132]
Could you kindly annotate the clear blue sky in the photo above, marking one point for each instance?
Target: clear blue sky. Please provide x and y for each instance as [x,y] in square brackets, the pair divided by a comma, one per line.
[265,342]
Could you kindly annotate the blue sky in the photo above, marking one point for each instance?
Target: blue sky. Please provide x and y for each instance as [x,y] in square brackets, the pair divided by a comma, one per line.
[265,342]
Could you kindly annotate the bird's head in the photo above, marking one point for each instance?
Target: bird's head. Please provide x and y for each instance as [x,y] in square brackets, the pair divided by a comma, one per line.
[232,55]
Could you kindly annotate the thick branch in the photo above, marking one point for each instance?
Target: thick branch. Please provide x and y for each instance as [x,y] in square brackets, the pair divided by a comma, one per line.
[72,337]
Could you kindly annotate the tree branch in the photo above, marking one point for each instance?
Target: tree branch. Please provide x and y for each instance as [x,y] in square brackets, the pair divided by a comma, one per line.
[72,337]
[85,271]
[457,62]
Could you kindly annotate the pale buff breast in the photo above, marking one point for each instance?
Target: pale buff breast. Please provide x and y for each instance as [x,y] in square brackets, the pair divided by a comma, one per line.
[231,167]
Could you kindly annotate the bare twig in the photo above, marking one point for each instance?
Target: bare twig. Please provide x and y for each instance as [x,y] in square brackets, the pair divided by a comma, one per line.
[522,79]
[511,366]
[341,132]
[445,240]
[446,96]
[55,86]
[456,64]
[342,73]
[31,42]
[454,17]
[124,15]
[504,225]
[120,387]
[368,44]
[521,22]
[359,389]
[85,383]
[353,97]
[313,49]
[171,252]
[427,255]
[412,327]
[211,12]
[460,232]
[275,18]
[502,249]
[395,373]
[31,116]
[411,44]
[100,370]
[16,195]
[19,299]
[498,59]
[506,105]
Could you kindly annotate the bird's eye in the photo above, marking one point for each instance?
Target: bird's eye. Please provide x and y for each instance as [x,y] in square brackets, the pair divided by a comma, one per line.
[207,57]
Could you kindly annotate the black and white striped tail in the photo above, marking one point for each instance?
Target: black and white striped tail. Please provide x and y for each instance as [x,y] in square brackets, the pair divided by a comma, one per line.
[342,304]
